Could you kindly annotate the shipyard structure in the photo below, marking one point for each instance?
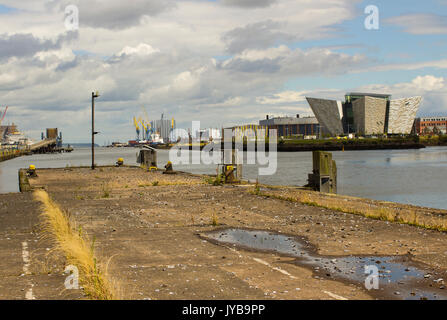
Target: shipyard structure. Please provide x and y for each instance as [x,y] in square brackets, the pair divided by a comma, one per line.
[365,114]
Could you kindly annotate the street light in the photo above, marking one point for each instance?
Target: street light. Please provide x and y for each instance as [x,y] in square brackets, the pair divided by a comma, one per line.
[94,95]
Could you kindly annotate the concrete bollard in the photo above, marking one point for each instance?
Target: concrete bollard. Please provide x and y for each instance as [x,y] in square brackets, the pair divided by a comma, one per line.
[24,185]
[324,175]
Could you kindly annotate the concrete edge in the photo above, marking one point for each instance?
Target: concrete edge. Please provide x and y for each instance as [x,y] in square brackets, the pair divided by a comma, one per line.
[24,185]
[276,187]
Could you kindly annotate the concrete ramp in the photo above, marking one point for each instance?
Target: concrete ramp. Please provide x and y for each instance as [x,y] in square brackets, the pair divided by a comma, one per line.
[43,145]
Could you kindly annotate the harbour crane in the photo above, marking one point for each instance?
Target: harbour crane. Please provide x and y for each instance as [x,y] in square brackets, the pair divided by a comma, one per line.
[148,128]
[137,127]
[144,125]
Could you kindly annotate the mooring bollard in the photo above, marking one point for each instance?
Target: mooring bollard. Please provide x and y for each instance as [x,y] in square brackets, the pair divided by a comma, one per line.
[229,174]
[169,169]
[324,175]
[31,172]
[120,162]
[231,168]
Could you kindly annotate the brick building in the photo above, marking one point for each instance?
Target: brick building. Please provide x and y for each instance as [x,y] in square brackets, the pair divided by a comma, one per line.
[430,125]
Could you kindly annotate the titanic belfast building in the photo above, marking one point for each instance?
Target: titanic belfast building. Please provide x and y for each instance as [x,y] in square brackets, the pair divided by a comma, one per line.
[365,114]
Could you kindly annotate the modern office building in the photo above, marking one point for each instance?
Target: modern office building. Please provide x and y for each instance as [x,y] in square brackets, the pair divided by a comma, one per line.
[365,114]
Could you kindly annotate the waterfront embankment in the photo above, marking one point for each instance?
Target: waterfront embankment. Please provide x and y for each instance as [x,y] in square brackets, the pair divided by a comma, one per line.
[154,228]
[8,154]
[291,144]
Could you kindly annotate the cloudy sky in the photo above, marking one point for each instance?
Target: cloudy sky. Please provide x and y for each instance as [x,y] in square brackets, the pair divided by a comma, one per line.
[221,62]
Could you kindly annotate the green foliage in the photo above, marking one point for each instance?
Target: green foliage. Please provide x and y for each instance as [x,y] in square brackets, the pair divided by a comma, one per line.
[257,190]
[217,181]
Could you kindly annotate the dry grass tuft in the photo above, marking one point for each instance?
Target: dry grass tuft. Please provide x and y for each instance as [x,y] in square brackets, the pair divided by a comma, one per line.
[167,182]
[214,220]
[408,216]
[76,248]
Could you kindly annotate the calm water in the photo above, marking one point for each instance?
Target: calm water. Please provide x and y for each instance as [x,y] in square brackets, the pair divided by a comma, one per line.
[408,176]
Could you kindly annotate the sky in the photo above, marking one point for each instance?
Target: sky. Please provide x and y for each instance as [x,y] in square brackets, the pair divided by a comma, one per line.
[222,62]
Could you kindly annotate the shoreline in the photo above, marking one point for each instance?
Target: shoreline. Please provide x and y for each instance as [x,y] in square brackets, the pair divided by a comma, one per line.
[6,155]
[320,146]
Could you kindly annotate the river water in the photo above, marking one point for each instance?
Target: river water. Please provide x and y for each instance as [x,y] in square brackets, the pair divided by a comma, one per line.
[416,177]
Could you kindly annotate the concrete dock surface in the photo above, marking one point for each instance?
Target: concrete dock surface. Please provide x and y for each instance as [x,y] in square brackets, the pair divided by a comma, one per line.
[28,268]
[149,228]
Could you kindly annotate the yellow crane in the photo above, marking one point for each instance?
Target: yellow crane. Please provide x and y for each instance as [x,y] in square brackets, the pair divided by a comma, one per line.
[137,126]
[148,128]
[144,130]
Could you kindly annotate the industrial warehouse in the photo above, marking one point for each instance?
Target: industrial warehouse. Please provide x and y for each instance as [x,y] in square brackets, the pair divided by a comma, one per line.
[365,114]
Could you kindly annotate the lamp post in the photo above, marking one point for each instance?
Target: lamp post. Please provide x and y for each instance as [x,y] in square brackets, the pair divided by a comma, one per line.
[94,95]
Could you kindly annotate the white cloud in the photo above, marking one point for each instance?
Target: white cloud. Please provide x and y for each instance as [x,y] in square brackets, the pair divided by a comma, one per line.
[283,97]
[428,83]
[439,64]
[249,3]
[433,90]
[142,49]
[194,60]
[418,86]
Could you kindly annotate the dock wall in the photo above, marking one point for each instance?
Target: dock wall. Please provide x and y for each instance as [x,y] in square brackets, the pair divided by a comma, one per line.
[10,154]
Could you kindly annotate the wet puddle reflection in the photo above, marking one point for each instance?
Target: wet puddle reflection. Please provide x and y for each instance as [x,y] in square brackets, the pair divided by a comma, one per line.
[399,277]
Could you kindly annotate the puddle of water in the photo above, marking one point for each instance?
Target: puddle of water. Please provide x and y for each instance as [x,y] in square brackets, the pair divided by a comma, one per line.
[399,278]
[262,240]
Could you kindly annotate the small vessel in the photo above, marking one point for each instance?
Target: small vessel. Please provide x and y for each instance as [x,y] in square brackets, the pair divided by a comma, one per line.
[156,139]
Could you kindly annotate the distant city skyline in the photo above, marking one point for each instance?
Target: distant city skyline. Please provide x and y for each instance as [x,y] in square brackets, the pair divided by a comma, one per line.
[220,62]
